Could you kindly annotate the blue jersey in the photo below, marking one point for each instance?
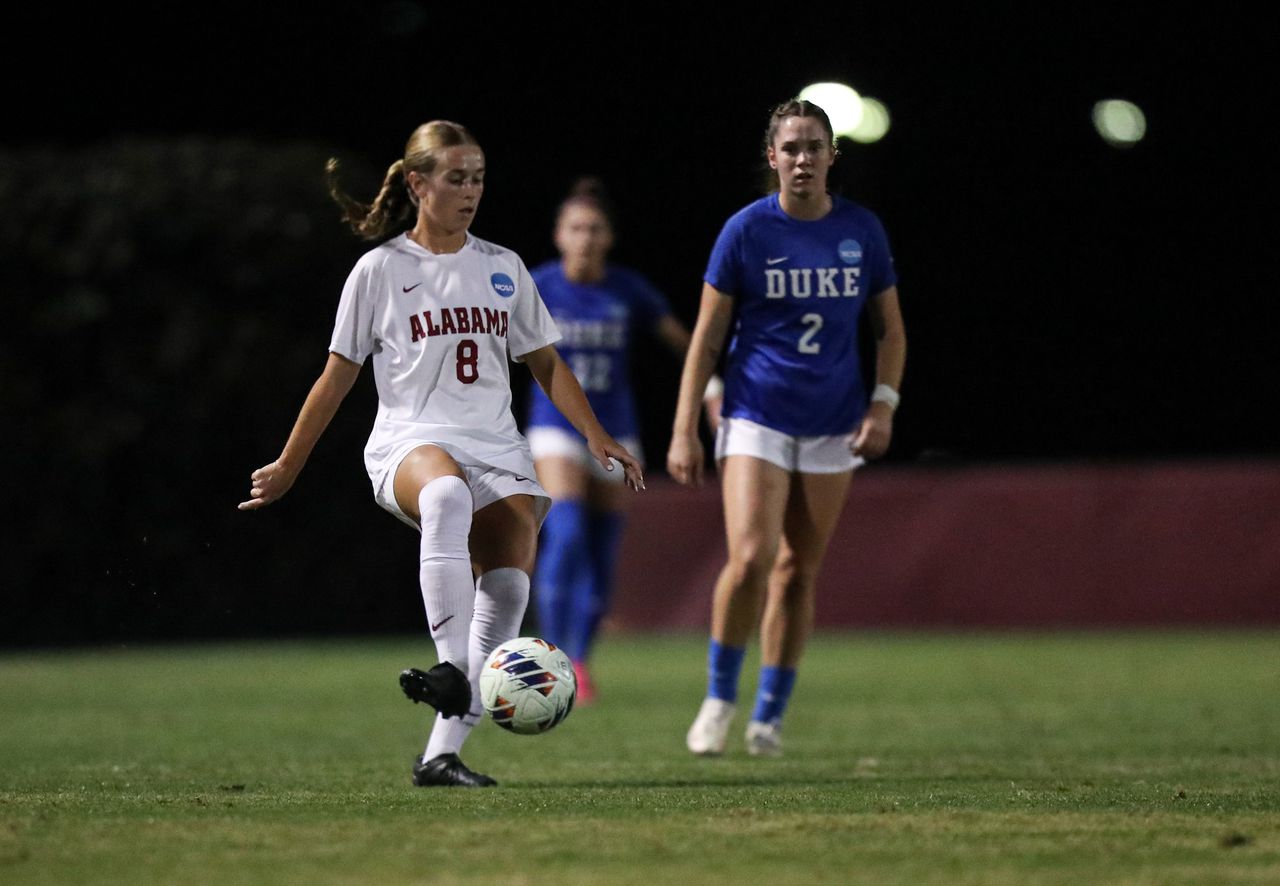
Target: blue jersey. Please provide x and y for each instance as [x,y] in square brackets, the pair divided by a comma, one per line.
[799,288]
[597,322]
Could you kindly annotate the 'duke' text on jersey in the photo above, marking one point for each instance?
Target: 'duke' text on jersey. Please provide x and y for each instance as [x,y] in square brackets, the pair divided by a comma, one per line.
[593,333]
[458,321]
[816,282]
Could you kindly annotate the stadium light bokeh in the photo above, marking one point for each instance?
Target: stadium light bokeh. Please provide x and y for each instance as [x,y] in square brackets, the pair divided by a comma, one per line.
[1120,123]
[842,104]
[874,123]
[853,116]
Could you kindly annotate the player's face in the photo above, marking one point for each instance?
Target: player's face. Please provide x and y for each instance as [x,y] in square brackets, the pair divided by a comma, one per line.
[583,234]
[802,154]
[450,194]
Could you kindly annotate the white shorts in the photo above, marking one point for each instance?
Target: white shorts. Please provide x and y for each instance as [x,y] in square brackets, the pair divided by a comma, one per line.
[805,455]
[488,484]
[546,442]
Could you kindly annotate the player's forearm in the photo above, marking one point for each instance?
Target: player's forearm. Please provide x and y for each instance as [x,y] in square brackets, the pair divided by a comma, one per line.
[709,334]
[322,403]
[891,358]
[674,335]
[698,367]
[891,337]
[561,386]
[704,350]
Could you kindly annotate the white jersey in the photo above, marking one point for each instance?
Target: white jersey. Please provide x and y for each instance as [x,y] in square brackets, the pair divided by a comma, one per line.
[441,329]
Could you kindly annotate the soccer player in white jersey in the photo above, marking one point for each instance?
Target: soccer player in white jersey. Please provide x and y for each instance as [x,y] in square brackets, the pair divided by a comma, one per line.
[792,274]
[441,312]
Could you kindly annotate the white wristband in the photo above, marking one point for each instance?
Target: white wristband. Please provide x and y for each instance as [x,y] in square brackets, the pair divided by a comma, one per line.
[886,395]
[715,388]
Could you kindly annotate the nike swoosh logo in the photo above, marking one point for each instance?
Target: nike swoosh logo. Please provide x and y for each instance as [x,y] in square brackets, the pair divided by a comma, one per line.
[774,261]
[436,626]
[525,479]
[413,287]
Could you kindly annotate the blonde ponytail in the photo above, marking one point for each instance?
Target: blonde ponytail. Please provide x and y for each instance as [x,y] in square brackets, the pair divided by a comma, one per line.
[394,206]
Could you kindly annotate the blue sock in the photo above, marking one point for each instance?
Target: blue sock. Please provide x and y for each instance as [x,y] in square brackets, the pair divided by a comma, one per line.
[774,693]
[592,596]
[563,565]
[724,664]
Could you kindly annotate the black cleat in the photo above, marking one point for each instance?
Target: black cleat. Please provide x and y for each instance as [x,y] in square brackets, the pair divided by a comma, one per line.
[444,687]
[447,771]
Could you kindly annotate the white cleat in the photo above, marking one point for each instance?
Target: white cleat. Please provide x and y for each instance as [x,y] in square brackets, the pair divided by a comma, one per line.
[710,730]
[764,739]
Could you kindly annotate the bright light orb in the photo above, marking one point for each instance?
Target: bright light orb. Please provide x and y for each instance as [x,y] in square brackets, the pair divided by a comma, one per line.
[1120,123]
[842,104]
[874,123]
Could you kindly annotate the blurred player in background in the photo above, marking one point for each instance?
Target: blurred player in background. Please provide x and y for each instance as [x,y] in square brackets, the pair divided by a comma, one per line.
[599,309]
[789,276]
[441,311]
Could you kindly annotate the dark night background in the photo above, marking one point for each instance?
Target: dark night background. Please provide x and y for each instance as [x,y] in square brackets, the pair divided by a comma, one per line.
[171,262]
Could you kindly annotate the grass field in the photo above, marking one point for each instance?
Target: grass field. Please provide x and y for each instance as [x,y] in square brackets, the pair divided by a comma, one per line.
[1012,758]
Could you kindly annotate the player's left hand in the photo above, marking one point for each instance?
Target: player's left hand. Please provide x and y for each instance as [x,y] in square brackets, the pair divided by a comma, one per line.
[875,432]
[605,448]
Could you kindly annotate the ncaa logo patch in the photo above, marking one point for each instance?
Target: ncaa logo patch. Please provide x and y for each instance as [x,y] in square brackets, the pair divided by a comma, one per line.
[850,252]
[503,285]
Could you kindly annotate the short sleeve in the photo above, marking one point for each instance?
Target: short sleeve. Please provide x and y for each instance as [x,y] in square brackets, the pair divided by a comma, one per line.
[353,328]
[881,272]
[531,325]
[724,268]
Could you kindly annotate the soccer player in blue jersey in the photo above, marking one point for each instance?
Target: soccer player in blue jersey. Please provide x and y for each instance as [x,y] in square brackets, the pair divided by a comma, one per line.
[788,280]
[599,308]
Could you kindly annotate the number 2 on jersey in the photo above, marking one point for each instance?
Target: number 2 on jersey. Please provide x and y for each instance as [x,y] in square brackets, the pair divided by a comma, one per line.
[807,345]
[468,367]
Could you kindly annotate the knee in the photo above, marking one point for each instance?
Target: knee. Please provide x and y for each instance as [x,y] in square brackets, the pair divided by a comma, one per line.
[445,507]
[514,545]
[748,568]
[792,580]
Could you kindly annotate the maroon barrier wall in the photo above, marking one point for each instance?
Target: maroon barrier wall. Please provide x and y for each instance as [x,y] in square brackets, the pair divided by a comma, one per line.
[1060,546]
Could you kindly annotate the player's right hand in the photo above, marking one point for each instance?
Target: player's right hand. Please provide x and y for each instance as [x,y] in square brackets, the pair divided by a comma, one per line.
[684,460]
[267,484]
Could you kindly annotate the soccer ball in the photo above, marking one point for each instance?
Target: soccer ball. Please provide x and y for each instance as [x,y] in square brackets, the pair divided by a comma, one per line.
[527,685]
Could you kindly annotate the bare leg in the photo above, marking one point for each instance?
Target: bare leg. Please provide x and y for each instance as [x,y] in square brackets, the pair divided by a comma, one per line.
[755,498]
[504,534]
[813,508]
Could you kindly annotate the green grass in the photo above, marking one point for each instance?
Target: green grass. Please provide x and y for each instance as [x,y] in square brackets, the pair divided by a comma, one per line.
[1013,758]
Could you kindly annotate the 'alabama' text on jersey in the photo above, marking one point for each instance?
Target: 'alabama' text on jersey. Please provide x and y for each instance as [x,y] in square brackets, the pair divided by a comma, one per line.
[442,330]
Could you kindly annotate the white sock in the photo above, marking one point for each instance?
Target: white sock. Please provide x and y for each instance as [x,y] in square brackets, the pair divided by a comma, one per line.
[501,598]
[444,566]
[500,601]
[447,735]
[448,592]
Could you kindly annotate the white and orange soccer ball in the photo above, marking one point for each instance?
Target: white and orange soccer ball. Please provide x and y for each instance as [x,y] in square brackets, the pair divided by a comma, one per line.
[527,685]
